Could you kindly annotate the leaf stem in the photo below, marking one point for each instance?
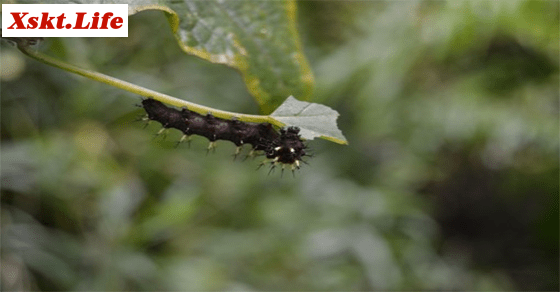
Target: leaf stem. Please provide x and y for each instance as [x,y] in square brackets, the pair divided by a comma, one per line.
[27,50]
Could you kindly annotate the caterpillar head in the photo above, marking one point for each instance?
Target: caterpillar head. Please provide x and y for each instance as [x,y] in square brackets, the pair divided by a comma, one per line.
[288,149]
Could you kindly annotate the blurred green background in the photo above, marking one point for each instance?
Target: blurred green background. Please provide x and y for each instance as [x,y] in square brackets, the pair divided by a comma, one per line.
[450,180]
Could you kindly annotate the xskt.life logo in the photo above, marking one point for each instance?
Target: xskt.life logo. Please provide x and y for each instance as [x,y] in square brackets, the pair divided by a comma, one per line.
[65,20]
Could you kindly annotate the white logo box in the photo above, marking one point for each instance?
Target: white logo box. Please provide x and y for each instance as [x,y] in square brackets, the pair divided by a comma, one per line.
[65,20]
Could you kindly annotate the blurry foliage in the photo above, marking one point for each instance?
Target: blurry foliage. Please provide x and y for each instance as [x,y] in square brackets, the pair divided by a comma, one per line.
[450,180]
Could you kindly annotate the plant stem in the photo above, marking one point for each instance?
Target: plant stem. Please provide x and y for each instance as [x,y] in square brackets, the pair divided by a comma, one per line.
[27,50]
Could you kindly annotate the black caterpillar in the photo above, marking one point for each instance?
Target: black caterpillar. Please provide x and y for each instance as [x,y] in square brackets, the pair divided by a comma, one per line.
[284,147]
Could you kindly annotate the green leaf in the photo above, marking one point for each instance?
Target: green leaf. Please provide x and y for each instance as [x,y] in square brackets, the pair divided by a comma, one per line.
[314,120]
[259,38]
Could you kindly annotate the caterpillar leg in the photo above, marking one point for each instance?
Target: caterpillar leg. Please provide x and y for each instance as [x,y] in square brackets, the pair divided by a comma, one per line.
[144,119]
[272,167]
[211,146]
[237,151]
[183,139]
[250,154]
[162,132]
[264,162]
